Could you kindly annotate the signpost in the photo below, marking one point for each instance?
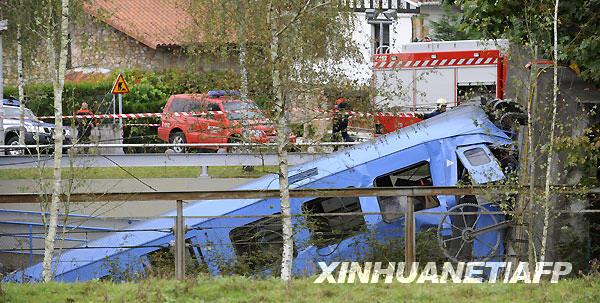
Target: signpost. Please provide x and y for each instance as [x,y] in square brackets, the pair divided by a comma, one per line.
[120,88]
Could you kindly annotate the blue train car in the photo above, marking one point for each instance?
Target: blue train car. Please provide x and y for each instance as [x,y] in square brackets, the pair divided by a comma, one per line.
[438,151]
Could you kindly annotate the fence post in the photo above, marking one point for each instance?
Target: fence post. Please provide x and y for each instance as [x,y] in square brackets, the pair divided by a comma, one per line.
[204,172]
[409,236]
[31,244]
[179,242]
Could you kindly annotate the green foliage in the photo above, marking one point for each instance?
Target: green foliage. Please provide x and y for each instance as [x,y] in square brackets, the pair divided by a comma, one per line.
[244,289]
[530,22]
[392,250]
[451,27]
[40,98]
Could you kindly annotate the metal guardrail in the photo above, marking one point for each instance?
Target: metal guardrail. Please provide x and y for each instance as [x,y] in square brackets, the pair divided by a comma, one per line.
[410,191]
[180,228]
[117,145]
[153,160]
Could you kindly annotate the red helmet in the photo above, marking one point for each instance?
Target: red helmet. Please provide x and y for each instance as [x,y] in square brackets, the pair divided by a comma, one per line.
[340,100]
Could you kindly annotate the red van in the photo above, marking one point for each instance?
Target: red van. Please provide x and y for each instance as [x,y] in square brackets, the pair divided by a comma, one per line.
[238,121]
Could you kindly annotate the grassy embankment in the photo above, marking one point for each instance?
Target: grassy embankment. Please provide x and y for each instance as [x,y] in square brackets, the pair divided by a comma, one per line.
[140,172]
[240,289]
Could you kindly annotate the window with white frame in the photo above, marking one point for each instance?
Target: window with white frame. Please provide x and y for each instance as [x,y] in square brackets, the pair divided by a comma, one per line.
[381,38]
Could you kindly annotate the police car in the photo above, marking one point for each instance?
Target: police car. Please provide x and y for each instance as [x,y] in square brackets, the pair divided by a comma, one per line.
[35,130]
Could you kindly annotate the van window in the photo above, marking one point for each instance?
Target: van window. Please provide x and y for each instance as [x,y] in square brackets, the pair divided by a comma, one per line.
[258,244]
[177,105]
[414,175]
[194,106]
[213,107]
[328,230]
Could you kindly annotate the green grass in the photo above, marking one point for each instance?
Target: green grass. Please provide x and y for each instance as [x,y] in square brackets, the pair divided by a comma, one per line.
[140,172]
[241,289]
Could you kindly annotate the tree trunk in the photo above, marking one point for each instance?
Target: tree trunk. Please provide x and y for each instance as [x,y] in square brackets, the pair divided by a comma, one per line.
[547,197]
[282,140]
[20,88]
[531,156]
[58,81]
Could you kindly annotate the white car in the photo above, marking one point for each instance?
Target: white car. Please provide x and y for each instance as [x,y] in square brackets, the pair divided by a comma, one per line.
[35,130]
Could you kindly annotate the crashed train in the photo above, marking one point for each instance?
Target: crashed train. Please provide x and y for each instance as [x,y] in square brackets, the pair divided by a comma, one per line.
[435,152]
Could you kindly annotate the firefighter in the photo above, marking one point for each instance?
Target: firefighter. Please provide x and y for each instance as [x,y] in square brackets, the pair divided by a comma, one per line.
[85,125]
[340,122]
[441,104]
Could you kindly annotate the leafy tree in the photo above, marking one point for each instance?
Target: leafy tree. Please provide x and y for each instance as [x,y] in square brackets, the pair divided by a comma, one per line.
[451,27]
[527,22]
[293,44]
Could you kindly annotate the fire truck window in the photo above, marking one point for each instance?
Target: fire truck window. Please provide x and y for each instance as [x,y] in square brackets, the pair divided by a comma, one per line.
[328,230]
[258,244]
[414,175]
[177,105]
[477,156]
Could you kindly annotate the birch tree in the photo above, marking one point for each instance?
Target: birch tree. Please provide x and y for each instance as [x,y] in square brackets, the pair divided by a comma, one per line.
[23,39]
[532,26]
[57,55]
[550,161]
[290,41]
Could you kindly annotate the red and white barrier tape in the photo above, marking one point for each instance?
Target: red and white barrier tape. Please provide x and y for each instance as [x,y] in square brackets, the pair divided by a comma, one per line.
[141,124]
[180,114]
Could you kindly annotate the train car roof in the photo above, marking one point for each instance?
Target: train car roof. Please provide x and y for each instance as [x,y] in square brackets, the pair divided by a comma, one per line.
[463,120]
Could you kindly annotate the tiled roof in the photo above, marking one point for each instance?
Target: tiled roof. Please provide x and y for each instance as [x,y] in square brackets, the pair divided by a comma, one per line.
[152,22]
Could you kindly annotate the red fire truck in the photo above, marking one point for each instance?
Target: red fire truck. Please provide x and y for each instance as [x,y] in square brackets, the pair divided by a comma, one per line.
[412,80]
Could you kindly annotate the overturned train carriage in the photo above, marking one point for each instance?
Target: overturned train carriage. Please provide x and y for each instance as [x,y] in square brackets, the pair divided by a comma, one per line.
[438,151]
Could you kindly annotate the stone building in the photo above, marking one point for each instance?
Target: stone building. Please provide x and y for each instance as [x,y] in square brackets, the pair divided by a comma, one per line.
[135,34]
[130,34]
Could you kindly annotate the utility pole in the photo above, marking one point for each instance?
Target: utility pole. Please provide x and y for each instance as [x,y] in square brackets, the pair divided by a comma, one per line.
[3,26]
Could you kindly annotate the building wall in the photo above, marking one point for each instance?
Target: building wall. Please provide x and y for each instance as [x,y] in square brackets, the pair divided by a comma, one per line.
[421,23]
[360,69]
[96,44]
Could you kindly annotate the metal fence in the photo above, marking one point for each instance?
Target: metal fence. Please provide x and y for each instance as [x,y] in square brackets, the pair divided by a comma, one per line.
[25,240]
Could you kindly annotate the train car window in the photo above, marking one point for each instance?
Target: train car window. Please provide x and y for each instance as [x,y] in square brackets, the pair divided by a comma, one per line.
[414,175]
[477,156]
[258,244]
[328,230]
[481,164]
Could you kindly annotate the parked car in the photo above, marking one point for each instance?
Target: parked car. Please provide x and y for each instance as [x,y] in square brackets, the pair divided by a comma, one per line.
[35,130]
[227,120]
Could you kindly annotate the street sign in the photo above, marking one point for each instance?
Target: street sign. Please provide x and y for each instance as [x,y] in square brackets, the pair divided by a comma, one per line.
[120,86]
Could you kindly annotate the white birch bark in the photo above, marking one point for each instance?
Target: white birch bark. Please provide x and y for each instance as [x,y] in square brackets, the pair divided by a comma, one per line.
[547,195]
[282,140]
[531,156]
[58,81]
[20,87]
